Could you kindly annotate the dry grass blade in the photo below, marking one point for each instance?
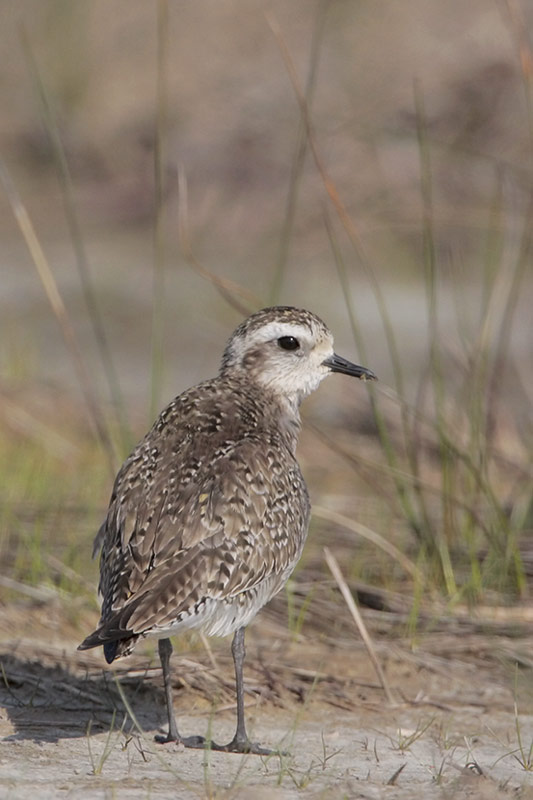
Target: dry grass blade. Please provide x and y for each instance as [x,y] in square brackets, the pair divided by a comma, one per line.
[394,777]
[209,650]
[26,424]
[228,290]
[159,241]
[354,611]
[371,536]
[65,182]
[298,161]
[67,572]
[52,292]
[41,594]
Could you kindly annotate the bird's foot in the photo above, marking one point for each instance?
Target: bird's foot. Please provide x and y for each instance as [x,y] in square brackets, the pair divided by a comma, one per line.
[196,742]
[237,745]
[244,745]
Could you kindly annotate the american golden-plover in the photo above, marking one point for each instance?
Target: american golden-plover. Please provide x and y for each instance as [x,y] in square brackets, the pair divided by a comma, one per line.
[209,514]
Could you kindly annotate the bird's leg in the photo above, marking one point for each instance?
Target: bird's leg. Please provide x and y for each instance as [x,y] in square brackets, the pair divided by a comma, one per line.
[238,652]
[240,742]
[165,651]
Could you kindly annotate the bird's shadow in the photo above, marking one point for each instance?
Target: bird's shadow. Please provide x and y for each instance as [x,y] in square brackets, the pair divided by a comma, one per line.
[46,703]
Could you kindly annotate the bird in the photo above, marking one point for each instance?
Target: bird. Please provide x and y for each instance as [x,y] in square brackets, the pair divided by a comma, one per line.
[209,514]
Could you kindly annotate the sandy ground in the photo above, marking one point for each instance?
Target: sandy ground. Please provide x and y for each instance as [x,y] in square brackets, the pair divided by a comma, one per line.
[362,761]
[452,734]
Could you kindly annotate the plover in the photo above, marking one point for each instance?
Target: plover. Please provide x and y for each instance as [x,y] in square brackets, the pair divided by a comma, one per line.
[209,514]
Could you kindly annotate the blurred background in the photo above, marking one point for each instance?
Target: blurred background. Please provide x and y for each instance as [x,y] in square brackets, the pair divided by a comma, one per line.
[183,163]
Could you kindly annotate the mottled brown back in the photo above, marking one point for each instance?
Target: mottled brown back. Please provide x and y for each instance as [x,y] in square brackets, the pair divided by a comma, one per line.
[208,505]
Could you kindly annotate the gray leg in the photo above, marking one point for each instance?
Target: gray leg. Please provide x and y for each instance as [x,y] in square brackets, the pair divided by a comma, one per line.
[238,652]
[165,651]
[240,742]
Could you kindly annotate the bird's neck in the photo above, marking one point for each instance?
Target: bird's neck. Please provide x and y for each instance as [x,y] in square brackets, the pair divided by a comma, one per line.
[286,410]
[273,410]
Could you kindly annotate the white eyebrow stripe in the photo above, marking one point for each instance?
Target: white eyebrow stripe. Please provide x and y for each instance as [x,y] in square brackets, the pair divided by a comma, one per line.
[274,330]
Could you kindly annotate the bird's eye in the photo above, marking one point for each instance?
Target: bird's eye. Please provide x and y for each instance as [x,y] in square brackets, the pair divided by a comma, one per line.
[288,343]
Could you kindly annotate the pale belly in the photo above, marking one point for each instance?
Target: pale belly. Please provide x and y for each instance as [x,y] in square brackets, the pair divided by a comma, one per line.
[223,616]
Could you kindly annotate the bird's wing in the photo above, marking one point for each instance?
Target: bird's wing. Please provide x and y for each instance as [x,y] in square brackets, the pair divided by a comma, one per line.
[238,512]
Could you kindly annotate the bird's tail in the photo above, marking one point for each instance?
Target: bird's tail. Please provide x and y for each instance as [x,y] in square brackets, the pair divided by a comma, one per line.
[113,647]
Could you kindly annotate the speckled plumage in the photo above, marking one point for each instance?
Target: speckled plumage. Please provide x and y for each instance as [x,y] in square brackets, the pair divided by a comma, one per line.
[209,514]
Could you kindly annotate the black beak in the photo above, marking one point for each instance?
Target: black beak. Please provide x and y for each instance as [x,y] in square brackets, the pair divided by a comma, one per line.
[339,364]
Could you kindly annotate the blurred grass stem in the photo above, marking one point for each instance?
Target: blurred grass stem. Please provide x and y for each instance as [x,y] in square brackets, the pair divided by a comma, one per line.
[89,295]
[158,284]
[299,153]
[236,296]
[96,416]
